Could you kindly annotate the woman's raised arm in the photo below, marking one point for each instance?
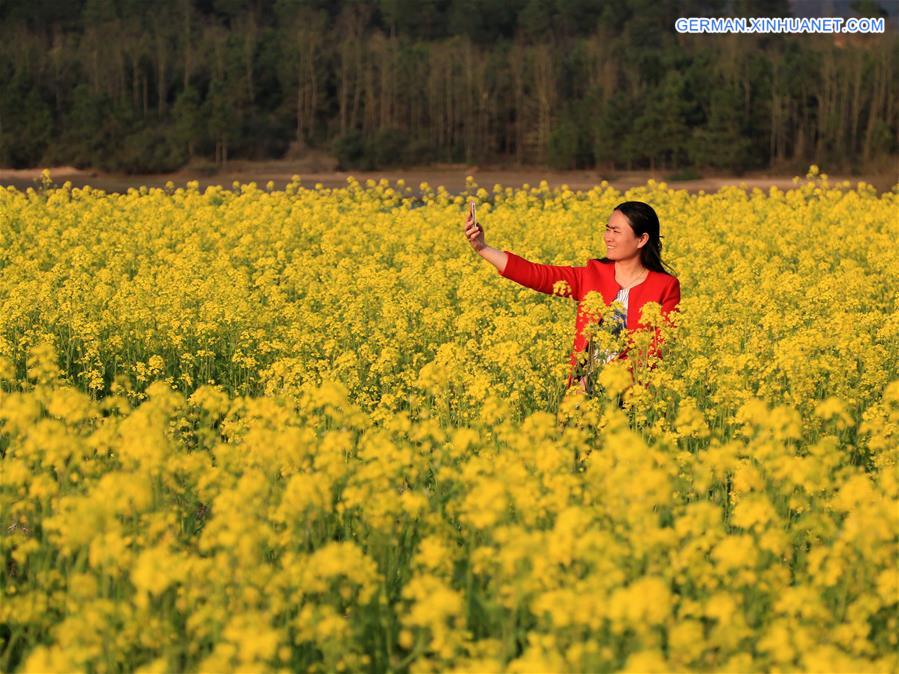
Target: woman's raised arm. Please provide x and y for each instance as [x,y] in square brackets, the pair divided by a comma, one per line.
[540,277]
[544,277]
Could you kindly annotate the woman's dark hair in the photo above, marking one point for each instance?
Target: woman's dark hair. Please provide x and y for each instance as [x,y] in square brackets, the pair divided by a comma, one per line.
[643,220]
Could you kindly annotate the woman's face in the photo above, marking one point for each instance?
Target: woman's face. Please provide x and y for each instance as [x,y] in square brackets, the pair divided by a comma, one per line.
[621,243]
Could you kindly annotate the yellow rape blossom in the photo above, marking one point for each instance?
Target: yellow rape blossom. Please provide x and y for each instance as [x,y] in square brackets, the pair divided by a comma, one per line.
[249,429]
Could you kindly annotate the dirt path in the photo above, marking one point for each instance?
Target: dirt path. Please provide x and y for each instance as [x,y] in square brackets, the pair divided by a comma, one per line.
[451,176]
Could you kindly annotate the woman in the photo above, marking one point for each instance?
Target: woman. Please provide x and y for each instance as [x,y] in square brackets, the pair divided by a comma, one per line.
[632,273]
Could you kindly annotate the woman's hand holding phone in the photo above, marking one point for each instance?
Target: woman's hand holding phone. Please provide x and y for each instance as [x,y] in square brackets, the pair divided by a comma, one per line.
[473,230]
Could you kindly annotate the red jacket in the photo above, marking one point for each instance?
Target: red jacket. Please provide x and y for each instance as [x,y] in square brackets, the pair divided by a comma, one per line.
[599,276]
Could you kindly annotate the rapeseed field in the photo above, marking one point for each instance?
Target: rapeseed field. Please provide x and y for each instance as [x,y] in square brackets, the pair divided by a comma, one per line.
[259,430]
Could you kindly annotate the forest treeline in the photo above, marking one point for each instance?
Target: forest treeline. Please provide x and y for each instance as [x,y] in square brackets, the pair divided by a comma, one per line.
[136,86]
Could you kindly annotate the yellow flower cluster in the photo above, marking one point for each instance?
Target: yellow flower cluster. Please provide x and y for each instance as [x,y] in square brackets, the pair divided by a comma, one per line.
[306,430]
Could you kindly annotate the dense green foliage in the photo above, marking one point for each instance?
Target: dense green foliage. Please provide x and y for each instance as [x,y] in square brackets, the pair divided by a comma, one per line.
[136,86]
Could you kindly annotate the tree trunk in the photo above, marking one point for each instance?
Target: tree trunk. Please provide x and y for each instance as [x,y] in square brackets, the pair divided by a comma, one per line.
[186,7]
[450,109]
[122,71]
[516,66]
[313,98]
[300,108]
[135,81]
[877,97]
[343,92]
[545,87]
[249,51]
[160,70]
[823,97]
[95,65]
[775,112]
[357,85]
[468,125]
[370,113]
[856,107]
